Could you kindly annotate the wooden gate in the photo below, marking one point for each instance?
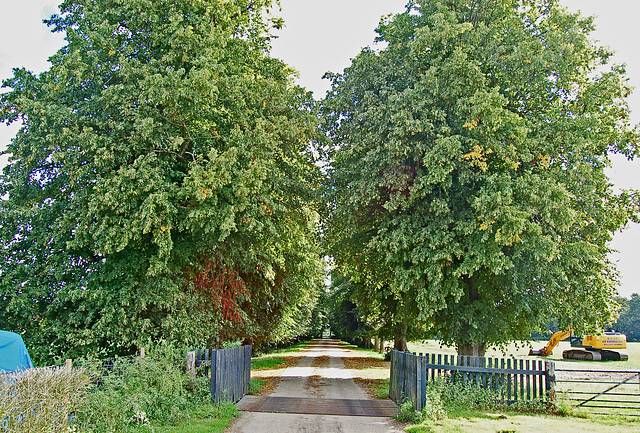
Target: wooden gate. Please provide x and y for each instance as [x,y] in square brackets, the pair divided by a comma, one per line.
[230,371]
[602,392]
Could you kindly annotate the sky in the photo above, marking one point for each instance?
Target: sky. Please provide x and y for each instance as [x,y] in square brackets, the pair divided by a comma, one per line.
[324,35]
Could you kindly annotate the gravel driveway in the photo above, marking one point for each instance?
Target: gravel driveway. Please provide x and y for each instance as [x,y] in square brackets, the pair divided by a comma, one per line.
[319,380]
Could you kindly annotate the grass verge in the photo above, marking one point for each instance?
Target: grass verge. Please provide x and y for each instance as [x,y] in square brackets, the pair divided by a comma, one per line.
[506,422]
[378,388]
[205,419]
[266,362]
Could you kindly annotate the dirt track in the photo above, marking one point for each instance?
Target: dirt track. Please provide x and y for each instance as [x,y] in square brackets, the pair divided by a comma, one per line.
[319,374]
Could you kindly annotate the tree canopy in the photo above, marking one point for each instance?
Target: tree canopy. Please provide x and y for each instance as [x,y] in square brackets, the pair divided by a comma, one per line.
[466,178]
[161,185]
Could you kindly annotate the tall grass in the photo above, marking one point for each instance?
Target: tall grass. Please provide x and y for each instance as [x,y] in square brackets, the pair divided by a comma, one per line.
[134,396]
[41,399]
[446,399]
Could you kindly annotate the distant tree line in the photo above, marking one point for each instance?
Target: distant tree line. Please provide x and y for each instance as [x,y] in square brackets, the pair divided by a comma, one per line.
[629,321]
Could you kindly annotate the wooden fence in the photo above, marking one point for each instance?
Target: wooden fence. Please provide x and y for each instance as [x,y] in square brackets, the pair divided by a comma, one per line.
[229,369]
[511,378]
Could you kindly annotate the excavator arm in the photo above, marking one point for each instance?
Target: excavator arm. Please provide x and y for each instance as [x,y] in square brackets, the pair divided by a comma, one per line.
[556,338]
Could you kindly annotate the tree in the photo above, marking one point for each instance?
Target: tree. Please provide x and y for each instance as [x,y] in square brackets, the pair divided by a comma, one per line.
[161,185]
[466,176]
[629,321]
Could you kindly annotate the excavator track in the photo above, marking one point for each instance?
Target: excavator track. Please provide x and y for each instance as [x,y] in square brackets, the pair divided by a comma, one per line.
[582,355]
[595,355]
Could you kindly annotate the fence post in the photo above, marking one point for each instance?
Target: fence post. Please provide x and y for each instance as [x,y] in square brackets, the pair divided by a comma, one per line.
[68,364]
[191,363]
[142,353]
[420,396]
[550,377]
[214,375]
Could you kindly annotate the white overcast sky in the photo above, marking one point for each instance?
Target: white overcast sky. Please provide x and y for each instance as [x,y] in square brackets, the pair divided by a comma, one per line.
[324,35]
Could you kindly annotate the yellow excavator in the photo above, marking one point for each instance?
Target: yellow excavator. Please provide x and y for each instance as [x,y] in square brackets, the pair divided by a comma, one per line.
[595,347]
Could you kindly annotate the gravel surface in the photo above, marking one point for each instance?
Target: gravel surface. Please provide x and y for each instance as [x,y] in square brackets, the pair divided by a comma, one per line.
[319,373]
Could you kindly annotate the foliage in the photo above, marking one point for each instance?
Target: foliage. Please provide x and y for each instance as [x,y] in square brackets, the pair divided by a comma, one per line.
[345,318]
[161,185]
[40,400]
[629,321]
[466,177]
[356,317]
[408,414]
[155,391]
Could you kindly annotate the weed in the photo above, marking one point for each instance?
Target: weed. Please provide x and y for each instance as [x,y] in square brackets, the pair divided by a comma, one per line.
[408,413]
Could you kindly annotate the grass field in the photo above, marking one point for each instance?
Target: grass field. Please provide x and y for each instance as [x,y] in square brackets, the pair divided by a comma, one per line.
[521,350]
[622,399]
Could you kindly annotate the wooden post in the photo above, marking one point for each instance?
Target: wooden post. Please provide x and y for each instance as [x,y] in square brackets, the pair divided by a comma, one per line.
[550,376]
[420,385]
[191,363]
[214,375]
[142,354]
[68,365]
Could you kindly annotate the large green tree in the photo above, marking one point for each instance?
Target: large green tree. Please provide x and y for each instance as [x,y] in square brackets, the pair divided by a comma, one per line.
[467,169]
[161,184]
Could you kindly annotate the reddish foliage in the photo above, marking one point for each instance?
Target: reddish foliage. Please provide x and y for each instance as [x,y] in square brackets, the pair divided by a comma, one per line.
[221,285]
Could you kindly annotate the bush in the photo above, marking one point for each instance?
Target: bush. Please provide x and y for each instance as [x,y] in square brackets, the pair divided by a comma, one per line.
[155,390]
[41,399]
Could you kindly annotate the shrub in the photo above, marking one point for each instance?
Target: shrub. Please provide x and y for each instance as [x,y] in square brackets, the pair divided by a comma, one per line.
[155,390]
[41,399]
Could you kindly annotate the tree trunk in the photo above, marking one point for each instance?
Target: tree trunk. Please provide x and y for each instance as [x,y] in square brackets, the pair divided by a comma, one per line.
[400,341]
[466,345]
[376,344]
[467,349]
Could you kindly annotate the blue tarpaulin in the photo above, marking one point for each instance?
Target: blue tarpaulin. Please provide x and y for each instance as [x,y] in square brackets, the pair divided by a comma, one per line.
[13,353]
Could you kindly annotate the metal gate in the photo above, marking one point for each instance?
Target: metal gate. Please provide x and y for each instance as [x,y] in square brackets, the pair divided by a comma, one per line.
[602,392]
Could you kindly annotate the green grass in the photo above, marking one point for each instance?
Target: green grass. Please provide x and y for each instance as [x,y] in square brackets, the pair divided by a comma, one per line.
[289,349]
[256,385]
[372,353]
[521,349]
[205,419]
[494,422]
[266,362]
[380,388]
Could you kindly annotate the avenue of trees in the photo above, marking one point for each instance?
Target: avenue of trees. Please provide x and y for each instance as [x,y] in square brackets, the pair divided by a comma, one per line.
[171,182]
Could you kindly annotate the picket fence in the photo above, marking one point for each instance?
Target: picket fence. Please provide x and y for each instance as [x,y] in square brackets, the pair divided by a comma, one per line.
[229,370]
[513,379]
